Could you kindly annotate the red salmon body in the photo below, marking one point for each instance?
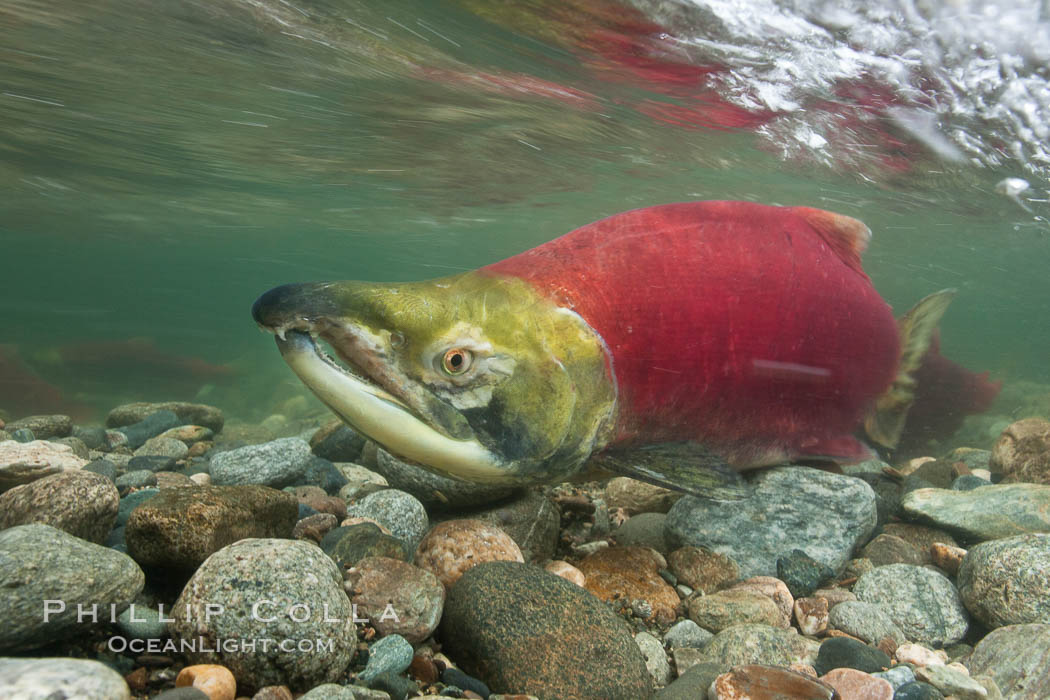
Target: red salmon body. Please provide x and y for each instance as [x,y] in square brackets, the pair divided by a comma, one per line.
[750,329]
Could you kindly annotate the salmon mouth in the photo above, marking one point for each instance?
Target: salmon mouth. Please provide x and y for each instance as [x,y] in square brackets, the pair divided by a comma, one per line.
[354,393]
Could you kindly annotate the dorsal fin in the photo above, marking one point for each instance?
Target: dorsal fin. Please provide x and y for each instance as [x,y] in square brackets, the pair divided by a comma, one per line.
[917,330]
[847,236]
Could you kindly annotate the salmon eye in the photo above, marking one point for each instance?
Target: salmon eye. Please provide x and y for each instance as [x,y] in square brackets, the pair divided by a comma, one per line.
[457,360]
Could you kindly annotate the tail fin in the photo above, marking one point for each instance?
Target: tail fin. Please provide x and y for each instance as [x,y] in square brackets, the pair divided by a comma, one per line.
[917,328]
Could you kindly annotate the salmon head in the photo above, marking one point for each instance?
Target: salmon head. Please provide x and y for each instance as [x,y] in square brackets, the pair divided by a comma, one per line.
[474,377]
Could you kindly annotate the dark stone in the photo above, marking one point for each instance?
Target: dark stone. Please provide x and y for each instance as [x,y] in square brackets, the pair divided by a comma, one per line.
[44,427]
[887,495]
[188,414]
[151,426]
[889,549]
[917,690]
[348,545]
[130,502]
[116,541]
[138,479]
[306,511]
[103,467]
[397,686]
[453,676]
[154,463]
[843,652]
[321,472]
[22,435]
[693,683]
[521,629]
[94,437]
[337,442]
[969,482]
[938,473]
[184,693]
[802,573]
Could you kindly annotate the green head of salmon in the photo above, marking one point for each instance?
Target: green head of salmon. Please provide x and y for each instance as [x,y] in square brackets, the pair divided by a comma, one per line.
[473,377]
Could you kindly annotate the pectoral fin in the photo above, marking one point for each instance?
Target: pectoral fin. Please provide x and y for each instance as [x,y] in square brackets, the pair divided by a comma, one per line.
[680,466]
[885,423]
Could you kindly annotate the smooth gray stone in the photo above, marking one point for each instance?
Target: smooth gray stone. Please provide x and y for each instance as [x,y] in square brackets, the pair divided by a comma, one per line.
[987,513]
[277,463]
[824,515]
[60,678]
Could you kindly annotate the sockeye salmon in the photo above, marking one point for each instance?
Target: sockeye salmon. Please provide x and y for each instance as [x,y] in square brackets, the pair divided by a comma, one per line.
[681,344]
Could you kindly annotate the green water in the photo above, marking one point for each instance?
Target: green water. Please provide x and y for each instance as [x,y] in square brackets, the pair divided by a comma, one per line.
[162,164]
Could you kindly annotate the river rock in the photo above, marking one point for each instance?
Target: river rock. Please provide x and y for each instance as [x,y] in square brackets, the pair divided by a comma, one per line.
[1007,581]
[655,658]
[188,414]
[79,502]
[59,678]
[416,597]
[39,563]
[857,685]
[521,629]
[636,497]
[724,609]
[642,530]
[397,511]
[454,546]
[44,427]
[433,489]
[180,528]
[531,520]
[741,645]
[150,426]
[349,544]
[825,515]
[1022,452]
[296,592]
[703,570]
[921,601]
[952,682]
[987,513]
[865,621]
[278,463]
[687,634]
[1017,657]
[632,573]
[756,682]
[337,442]
[888,549]
[843,652]
[23,462]
[163,447]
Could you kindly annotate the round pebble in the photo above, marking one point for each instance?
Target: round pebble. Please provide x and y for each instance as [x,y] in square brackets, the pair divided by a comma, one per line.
[396,597]
[454,546]
[213,680]
[399,512]
[567,571]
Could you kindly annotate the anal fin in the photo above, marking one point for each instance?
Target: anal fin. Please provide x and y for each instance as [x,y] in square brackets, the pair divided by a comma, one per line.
[680,466]
[917,328]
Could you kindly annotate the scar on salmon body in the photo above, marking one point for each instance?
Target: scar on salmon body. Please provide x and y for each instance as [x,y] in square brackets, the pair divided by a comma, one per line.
[681,344]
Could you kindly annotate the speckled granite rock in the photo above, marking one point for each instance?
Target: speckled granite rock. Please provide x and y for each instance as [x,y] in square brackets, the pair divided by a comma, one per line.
[277,463]
[39,563]
[825,515]
[79,502]
[59,678]
[521,629]
[23,462]
[188,413]
[1017,657]
[741,645]
[1007,581]
[921,601]
[269,589]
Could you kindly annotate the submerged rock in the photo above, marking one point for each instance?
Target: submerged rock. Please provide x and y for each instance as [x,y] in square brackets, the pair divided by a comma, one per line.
[277,463]
[1017,657]
[1007,581]
[56,678]
[454,546]
[741,645]
[824,515]
[921,601]
[188,414]
[1022,452]
[44,427]
[79,502]
[399,512]
[521,629]
[531,520]
[269,589]
[415,596]
[151,426]
[180,528]
[987,513]
[631,573]
[46,574]
[23,462]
